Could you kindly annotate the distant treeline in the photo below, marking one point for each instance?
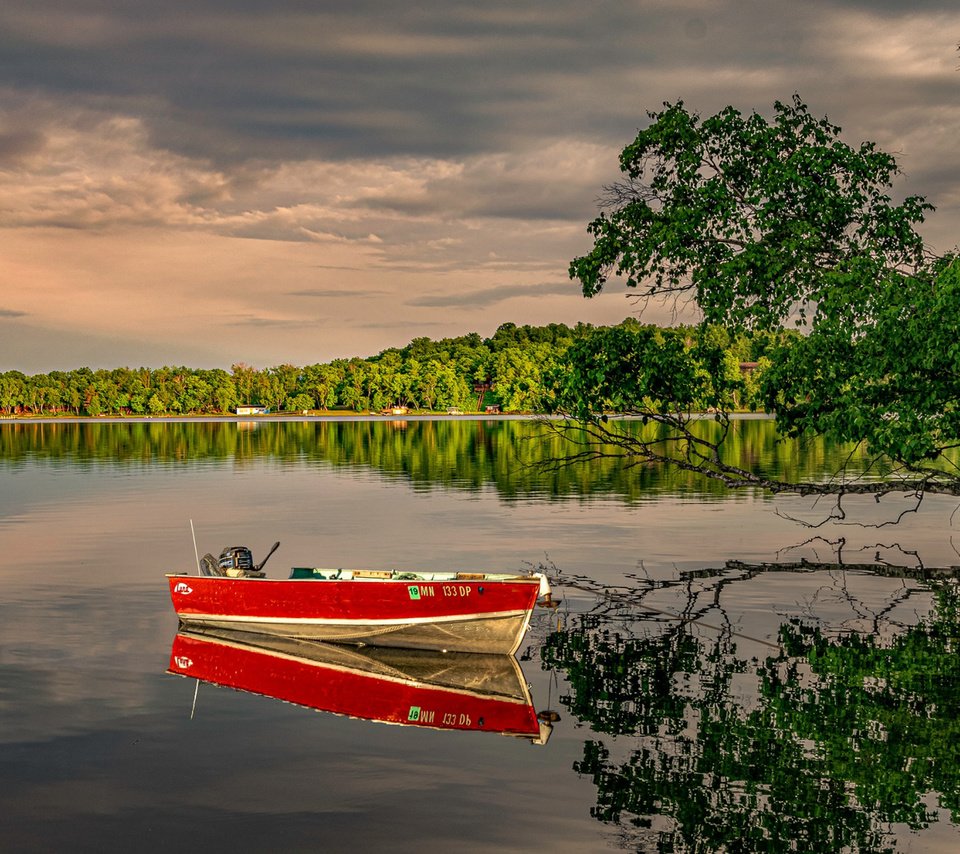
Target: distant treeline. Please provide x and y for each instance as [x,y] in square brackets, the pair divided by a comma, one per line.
[515,369]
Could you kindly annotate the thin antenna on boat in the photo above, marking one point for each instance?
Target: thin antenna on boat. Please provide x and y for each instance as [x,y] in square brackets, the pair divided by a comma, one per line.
[196,553]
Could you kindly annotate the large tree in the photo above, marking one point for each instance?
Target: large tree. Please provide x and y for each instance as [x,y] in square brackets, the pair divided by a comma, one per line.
[770,225]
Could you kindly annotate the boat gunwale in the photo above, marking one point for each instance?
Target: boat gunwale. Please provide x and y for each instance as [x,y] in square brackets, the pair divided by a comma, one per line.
[425,578]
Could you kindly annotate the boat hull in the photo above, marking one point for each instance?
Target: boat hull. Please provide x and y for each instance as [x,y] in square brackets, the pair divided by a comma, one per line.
[480,616]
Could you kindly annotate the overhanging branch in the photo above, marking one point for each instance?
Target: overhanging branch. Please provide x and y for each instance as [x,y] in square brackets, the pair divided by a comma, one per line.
[681,448]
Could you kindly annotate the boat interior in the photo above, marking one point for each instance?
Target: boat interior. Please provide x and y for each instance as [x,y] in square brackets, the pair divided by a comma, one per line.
[320,574]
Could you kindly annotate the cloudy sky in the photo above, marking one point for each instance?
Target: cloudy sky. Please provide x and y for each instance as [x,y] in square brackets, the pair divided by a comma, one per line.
[203,182]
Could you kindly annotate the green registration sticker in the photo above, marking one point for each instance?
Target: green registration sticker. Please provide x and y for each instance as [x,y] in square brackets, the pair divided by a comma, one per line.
[414,714]
[414,591]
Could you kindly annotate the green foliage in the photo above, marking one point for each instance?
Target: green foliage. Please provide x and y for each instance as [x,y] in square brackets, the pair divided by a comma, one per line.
[521,364]
[638,369]
[431,375]
[765,225]
[757,218]
[887,373]
[840,737]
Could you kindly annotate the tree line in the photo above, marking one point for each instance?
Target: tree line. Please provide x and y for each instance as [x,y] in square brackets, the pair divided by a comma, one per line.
[518,369]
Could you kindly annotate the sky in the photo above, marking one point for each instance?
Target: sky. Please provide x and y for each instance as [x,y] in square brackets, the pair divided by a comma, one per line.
[218,181]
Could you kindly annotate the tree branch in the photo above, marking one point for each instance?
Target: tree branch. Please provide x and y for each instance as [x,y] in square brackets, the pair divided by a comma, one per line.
[692,453]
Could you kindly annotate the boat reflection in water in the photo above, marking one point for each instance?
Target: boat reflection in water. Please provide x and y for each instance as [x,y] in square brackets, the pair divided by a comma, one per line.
[451,691]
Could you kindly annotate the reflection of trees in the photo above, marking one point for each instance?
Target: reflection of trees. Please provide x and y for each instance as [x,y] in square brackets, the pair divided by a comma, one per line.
[819,745]
[463,454]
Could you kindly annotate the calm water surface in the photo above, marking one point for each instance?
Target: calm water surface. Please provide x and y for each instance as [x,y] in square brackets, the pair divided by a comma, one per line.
[809,710]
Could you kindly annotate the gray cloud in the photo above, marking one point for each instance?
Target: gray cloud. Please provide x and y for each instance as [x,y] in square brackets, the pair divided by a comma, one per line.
[11,312]
[421,154]
[235,82]
[16,145]
[36,349]
[252,82]
[330,293]
[405,326]
[486,297]
[370,79]
[272,323]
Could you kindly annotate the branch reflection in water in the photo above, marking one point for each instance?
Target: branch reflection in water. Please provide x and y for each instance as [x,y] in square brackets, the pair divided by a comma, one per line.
[842,737]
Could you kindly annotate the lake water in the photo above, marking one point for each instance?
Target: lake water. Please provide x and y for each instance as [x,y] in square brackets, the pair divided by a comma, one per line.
[703,705]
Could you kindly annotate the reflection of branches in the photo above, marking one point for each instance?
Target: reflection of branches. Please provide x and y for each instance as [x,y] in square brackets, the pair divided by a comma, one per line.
[839,739]
[874,618]
[893,546]
[620,603]
[836,545]
[614,599]
[685,448]
[838,515]
[918,570]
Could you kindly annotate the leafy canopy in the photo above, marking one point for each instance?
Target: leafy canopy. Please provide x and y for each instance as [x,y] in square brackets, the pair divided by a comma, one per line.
[756,220]
[771,225]
[887,374]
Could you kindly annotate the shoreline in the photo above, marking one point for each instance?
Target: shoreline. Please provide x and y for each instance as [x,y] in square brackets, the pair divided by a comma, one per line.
[257,419]
[298,418]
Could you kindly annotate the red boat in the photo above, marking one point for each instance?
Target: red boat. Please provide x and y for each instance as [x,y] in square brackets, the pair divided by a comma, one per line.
[407,687]
[447,611]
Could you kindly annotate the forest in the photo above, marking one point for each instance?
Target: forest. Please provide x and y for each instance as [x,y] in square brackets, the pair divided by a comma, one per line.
[518,369]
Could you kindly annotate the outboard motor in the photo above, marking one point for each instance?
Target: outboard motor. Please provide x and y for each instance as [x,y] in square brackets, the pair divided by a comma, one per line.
[236,557]
[234,562]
